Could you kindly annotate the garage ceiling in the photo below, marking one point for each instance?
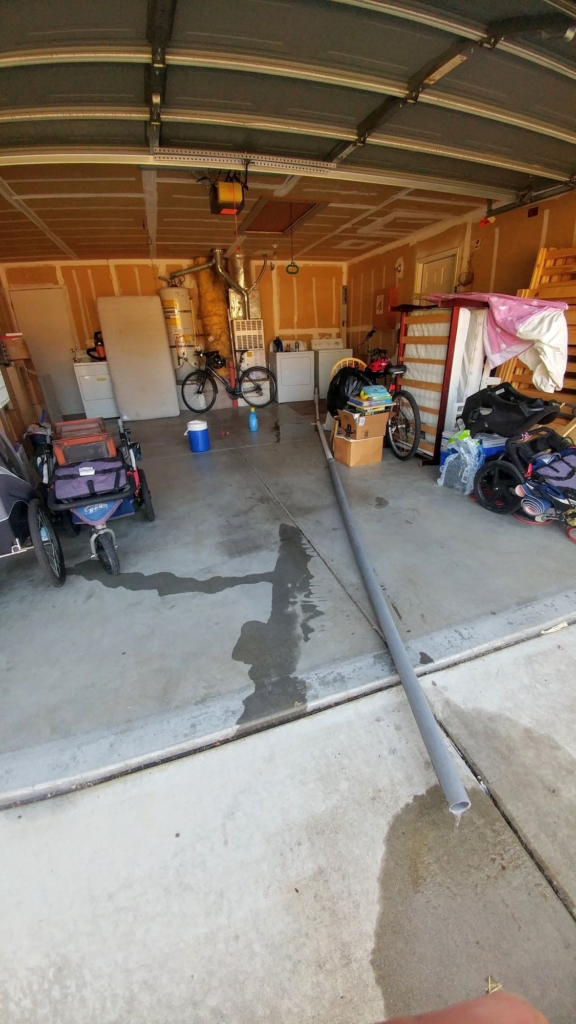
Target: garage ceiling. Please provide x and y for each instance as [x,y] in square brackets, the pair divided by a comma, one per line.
[398,115]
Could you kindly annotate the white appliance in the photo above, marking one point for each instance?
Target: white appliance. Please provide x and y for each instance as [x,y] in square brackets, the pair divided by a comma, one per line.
[96,388]
[294,372]
[327,352]
[249,335]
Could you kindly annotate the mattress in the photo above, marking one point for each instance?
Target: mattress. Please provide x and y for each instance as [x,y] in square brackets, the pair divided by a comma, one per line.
[138,354]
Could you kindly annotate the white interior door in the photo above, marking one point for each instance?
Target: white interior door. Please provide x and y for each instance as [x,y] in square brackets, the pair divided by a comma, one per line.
[43,319]
[438,275]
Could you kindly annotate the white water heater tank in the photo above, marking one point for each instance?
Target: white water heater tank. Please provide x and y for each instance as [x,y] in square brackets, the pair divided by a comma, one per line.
[177,306]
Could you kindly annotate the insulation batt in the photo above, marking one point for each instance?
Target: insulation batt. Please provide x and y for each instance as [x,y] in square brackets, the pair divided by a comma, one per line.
[214,310]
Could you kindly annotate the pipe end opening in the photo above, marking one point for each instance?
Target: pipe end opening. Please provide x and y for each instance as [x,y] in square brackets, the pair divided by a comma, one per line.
[460,806]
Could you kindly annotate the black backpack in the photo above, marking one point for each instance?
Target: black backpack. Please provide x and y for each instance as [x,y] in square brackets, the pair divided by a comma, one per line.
[503,410]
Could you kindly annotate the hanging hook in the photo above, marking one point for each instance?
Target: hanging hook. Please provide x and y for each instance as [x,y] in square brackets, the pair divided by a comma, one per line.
[292,267]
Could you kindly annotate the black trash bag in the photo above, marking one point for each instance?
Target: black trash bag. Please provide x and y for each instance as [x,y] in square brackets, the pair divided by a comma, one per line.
[345,384]
[501,409]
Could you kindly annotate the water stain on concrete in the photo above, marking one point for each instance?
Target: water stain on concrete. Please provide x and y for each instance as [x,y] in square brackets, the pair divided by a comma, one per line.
[459,903]
[396,610]
[381,503]
[544,810]
[425,659]
[271,648]
[166,584]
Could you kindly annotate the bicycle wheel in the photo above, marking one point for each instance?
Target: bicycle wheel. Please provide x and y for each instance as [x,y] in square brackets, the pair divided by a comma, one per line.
[199,391]
[495,486]
[404,426]
[146,497]
[258,386]
[107,554]
[46,544]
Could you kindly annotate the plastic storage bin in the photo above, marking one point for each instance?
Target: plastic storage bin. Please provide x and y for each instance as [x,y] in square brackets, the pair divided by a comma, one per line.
[492,444]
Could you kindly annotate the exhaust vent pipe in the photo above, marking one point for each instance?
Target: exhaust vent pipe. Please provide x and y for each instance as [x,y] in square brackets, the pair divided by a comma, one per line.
[217,262]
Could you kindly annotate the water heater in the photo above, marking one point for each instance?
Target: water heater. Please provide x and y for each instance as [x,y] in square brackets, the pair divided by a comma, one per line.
[177,306]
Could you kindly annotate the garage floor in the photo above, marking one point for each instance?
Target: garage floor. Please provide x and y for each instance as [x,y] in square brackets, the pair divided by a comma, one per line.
[311,874]
[241,605]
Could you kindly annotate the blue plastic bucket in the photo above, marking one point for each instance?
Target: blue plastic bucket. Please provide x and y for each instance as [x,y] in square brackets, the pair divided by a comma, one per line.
[198,436]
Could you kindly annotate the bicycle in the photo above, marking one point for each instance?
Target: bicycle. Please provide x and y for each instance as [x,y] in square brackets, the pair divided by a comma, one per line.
[256,385]
[404,428]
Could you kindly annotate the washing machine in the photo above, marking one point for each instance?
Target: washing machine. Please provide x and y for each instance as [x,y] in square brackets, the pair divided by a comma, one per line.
[294,372]
[327,352]
[96,388]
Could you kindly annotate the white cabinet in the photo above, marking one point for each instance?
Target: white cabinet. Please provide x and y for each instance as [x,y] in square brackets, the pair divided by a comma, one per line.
[96,389]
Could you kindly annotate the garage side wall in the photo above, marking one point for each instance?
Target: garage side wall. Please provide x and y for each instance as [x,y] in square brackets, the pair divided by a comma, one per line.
[83,283]
[300,307]
[500,255]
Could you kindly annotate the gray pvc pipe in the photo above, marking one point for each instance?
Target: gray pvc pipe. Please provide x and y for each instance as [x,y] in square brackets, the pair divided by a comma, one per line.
[434,741]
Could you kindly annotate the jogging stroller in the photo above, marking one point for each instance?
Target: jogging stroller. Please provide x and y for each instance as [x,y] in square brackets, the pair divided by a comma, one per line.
[91,481]
[535,480]
[25,522]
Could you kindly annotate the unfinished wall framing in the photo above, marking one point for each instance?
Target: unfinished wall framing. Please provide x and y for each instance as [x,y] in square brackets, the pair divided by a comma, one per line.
[501,256]
[305,305]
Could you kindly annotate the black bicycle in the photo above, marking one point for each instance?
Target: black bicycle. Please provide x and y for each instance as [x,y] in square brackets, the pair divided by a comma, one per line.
[256,385]
[404,428]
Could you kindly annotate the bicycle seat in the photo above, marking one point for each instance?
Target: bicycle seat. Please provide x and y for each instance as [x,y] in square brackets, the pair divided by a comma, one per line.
[396,371]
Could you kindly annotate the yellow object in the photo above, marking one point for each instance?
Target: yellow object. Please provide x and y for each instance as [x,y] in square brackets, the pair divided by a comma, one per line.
[214,311]
[492,985]
[229,192]
[351,361]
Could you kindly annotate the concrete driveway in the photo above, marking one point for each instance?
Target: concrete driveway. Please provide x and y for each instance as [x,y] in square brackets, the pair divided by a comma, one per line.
[311,874]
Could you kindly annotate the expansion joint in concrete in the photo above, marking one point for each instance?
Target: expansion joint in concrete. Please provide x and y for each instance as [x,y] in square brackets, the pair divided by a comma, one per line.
[559,892]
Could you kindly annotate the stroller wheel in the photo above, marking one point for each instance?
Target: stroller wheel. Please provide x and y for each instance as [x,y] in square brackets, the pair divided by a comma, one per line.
[530,521]
[495,486]
[107,554]
[46,543]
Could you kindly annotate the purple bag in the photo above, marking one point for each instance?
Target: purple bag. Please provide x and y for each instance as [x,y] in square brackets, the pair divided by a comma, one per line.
[87,479]
[560,471]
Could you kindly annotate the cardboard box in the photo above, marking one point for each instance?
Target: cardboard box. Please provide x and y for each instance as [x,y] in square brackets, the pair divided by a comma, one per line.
[357,426]
[359,452]
[14,346]
[65,429]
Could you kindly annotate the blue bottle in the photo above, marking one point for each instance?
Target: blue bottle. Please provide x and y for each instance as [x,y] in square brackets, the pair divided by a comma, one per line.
[253,420]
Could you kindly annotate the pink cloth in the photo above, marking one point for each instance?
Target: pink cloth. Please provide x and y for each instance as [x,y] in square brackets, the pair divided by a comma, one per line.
[514,325]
